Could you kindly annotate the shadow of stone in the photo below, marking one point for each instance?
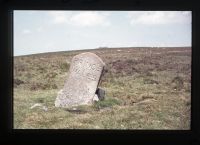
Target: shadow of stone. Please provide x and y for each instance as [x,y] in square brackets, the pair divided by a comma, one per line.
[76,111]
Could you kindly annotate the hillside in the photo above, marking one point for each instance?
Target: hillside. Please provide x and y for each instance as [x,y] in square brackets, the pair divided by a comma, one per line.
[146,88]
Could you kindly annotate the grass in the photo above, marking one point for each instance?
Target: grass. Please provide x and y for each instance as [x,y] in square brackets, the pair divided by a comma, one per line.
[142,91]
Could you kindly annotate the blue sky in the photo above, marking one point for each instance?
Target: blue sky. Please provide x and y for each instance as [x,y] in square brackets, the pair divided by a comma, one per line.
[51,31]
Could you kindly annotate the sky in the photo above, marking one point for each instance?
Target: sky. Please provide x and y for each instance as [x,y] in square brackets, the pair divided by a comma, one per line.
[52,31]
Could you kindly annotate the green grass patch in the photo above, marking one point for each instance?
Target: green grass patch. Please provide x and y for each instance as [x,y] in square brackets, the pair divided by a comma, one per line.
[64,66]
[108,102]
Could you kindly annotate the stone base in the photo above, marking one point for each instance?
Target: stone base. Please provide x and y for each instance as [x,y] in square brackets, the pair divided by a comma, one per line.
[62,101]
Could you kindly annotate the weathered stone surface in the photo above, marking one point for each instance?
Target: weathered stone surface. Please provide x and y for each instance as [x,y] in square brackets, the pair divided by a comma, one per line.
[80,87]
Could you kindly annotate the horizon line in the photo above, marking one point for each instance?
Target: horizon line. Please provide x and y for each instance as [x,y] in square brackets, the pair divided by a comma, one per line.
[104,47]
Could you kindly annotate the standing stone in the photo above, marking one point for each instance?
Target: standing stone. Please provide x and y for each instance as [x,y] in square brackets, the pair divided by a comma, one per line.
[80,87]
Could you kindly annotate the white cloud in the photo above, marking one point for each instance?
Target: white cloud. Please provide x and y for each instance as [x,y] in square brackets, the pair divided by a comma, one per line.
[159,17]
[59,16]
[84,18]
[39,29]
[89,19]
[26,31]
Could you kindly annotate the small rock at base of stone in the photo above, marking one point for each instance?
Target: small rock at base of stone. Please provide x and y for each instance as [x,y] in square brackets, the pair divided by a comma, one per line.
[100,93]
[95,98]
